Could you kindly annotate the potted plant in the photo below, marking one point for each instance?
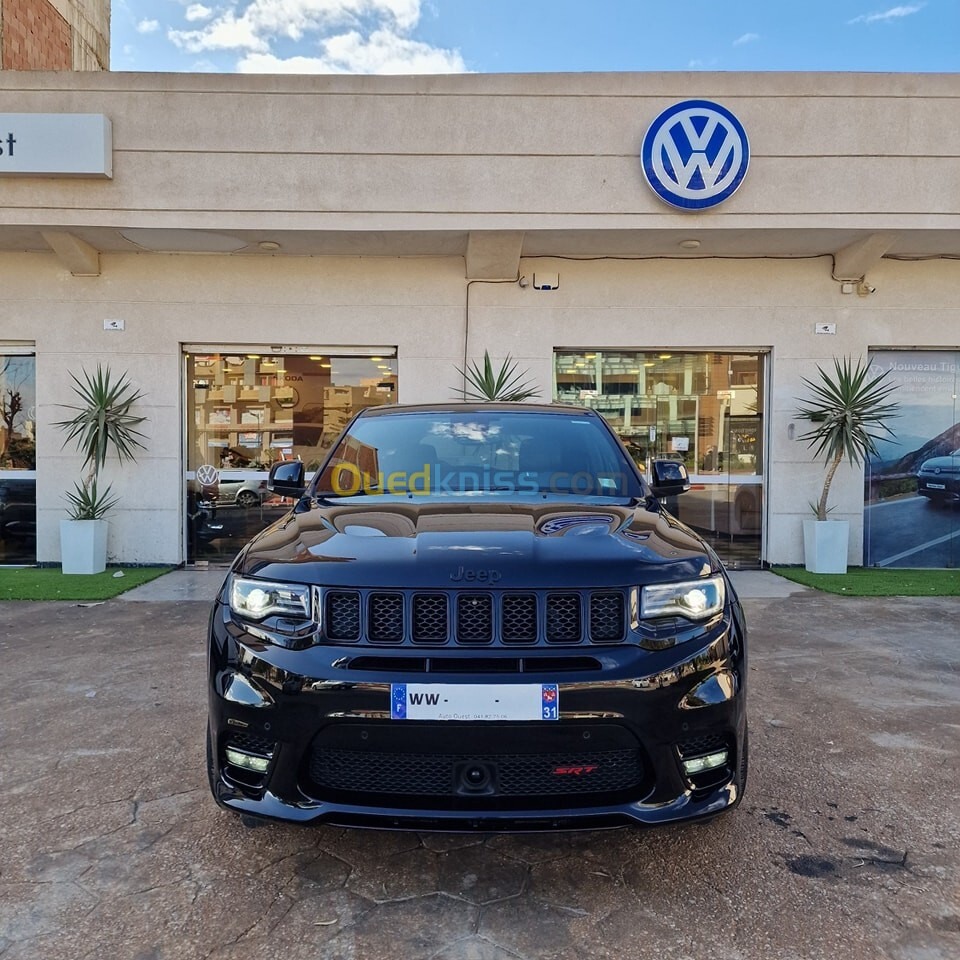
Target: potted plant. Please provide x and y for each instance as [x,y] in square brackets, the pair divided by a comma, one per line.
[848,410]
[102,423]
[505,384]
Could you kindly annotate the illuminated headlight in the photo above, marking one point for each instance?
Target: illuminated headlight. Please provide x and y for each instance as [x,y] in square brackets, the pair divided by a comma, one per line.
[256,599]
[693,599]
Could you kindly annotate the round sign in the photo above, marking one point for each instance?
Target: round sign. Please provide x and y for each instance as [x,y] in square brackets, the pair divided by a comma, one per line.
[208,475]
[695,154]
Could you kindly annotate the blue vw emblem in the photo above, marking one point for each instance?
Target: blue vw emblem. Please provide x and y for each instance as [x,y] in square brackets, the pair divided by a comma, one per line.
[695,154]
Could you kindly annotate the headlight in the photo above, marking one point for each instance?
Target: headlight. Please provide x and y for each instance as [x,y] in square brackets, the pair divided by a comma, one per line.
[256,599]
[693,599]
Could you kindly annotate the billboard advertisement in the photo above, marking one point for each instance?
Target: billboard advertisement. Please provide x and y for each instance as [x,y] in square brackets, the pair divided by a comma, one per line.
[912,489]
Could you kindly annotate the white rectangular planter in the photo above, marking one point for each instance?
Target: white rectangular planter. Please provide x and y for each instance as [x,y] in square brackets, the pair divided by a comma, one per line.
[83,546]
[825,545]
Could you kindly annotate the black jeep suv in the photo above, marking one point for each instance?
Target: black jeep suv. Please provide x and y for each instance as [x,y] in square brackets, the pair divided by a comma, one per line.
[478,617]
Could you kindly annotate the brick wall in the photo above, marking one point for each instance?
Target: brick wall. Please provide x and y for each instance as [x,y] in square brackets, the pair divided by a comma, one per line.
[34,36]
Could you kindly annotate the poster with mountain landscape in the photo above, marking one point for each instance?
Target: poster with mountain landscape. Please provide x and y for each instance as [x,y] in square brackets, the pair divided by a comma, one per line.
[912,489]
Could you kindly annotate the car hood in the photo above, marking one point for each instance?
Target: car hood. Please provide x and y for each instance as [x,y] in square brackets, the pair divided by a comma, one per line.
[947,464]
[454,543]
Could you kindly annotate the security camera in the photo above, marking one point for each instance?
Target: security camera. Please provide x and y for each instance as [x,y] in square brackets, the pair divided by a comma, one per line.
[864,289]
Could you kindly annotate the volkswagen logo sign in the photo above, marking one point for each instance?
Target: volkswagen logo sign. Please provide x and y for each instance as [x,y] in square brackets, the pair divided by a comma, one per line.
[695,154]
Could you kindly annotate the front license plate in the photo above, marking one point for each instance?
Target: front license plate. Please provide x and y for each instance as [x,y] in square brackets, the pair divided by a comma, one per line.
[474,701]
[936,486]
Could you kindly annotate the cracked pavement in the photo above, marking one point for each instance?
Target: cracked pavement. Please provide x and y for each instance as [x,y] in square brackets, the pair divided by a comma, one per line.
[845,844]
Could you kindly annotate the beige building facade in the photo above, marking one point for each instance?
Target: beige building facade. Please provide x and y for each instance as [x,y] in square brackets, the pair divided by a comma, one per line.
[248,227]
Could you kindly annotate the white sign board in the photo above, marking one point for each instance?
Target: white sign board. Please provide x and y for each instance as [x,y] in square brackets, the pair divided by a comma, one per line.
[56,145]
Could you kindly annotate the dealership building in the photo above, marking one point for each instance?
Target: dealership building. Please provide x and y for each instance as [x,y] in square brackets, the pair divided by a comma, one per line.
[265,255]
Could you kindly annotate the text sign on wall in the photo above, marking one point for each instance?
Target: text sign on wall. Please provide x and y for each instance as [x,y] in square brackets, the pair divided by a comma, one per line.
[56,145]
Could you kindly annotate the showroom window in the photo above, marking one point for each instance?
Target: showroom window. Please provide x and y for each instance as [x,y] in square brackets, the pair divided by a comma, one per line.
[911,515]
[705,409]
[18,456]
[246,409]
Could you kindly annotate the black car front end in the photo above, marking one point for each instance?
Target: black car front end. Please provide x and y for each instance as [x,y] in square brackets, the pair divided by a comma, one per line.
[650,726]
[540,647]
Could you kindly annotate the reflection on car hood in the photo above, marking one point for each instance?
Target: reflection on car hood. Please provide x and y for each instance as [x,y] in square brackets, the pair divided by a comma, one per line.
[947,464]
[452,542]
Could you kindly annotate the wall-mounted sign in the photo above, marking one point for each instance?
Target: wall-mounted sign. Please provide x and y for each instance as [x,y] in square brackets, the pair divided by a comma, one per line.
[56,145]
[695,154]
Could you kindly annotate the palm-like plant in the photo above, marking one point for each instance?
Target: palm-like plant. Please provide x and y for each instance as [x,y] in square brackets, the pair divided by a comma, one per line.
[102,423]
[848,411]
[505,384]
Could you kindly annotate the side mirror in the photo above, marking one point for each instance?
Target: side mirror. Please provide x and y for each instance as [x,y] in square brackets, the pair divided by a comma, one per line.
[668,478]
[287,479]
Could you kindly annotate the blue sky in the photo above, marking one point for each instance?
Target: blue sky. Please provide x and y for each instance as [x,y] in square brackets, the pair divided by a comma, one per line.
[506,36]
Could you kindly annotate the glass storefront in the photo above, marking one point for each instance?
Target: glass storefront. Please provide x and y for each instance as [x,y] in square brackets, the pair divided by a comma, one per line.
[705,409]
[18,458]
[911,515]
[247,410]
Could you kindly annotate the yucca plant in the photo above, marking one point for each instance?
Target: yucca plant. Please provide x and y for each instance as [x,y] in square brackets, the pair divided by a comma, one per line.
[102,424]
[848,410]
[505,384]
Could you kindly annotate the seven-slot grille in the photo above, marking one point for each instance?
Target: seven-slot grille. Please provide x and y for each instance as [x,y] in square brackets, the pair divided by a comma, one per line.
[475,618]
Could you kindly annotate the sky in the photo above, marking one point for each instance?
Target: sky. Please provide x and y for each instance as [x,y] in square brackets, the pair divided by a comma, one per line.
[522,36]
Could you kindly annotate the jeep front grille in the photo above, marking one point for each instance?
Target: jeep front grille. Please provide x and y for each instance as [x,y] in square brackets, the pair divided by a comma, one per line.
[386,617]
[563,618]
[518,618]
[476,618]
[343,616]
[430,623]
[606,617]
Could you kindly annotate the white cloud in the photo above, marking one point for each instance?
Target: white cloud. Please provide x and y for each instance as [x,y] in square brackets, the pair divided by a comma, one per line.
[701,64]
[264,20]
[225,33]
[894,13]
[383,52]
[746,38]
[353,36]
[197,11]
[148,26]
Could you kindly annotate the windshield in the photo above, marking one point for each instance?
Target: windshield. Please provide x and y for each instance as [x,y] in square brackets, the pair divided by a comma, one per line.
[470,452]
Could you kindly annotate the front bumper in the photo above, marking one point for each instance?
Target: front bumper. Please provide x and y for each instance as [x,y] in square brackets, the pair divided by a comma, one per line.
[628,717]
[944,487]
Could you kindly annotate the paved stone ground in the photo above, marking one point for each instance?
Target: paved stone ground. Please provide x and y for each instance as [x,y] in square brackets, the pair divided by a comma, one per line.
[845,846]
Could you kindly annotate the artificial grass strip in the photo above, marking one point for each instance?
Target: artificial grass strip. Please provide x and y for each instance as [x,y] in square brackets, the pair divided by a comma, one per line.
[878,582]
[48,583]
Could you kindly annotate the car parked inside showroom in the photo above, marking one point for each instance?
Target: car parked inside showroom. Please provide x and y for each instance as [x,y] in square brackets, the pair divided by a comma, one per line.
[478,617]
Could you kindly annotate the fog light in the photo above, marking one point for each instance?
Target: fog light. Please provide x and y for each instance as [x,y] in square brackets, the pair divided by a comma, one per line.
[248,762]
[708,762]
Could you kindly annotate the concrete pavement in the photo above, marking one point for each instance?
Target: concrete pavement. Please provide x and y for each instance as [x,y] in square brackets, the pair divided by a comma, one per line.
[844,847]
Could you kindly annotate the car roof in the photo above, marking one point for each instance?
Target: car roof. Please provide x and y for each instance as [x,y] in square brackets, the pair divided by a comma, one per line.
[473,407]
